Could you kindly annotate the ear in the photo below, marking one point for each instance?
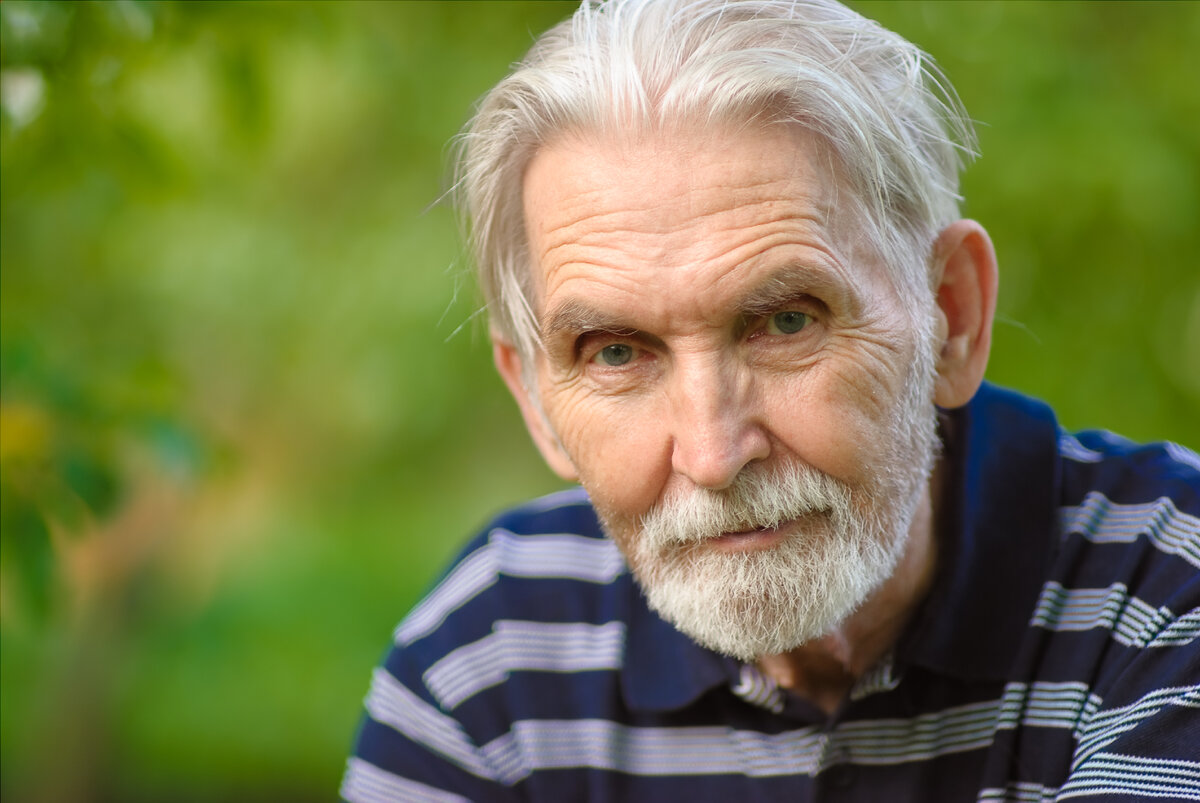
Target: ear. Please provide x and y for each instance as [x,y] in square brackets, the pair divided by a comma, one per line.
[509,364]
[964,273]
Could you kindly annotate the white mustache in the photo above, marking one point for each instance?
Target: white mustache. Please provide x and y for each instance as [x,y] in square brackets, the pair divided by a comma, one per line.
[758,499]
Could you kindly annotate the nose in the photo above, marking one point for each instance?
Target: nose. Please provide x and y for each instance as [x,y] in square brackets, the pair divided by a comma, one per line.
[717,428]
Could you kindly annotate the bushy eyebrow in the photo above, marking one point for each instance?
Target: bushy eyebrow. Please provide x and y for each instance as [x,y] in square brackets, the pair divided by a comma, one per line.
[797,281]
[784,286]
[574,316]
[781,289]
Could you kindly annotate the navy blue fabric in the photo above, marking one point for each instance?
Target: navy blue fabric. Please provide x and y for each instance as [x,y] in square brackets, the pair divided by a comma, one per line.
[1056,656]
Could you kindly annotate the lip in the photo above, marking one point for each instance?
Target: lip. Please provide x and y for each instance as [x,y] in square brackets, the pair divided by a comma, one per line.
[748,540]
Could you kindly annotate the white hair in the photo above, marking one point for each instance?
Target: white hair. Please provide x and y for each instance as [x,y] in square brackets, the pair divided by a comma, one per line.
[876,102]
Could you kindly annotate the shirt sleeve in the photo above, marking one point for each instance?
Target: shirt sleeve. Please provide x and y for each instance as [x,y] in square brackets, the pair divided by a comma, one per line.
[409,749]
[1143,740]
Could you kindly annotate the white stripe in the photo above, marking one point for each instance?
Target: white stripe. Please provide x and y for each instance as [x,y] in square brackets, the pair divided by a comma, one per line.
[571,557]
[1120,441]
[1182,454]
[1108,773]
[1021,792]
[1103,521]
[1070,448]
[1183,630]
[759,690]
[877,679]
[896,741]
[366,783]
[1047,705]
[516,646]
[533,745]
[472,575]
[574,557]
[391,704]
[1105,727]
[1134,623]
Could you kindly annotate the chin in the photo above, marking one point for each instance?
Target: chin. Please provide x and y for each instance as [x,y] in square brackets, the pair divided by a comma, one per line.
[767,601]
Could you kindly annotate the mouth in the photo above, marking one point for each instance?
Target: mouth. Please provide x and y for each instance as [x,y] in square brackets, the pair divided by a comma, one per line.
[750,540]
[753,539]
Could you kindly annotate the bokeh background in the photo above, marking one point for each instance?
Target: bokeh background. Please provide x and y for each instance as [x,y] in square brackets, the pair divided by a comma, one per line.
[246,406]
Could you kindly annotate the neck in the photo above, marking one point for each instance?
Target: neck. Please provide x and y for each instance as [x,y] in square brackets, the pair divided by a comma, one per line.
[823,671]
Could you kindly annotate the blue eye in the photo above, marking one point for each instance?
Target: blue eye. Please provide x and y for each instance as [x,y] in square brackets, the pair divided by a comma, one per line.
[614,355]
[788,322]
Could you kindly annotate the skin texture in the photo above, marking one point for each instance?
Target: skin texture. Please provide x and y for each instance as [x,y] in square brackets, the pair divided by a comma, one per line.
[662,266]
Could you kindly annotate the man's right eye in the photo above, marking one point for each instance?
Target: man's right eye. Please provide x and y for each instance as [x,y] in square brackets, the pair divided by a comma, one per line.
[614,355]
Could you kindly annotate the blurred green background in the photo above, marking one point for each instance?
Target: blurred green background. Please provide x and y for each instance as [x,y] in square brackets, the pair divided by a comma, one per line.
[246,408]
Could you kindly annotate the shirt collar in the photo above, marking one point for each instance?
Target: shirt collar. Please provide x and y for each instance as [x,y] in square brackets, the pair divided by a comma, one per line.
[995,545]
[996,537]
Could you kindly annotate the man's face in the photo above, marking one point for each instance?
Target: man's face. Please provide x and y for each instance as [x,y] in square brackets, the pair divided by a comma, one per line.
[730,374]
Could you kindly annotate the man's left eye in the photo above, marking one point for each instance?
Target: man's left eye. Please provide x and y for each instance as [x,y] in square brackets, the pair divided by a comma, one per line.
[788,322]
[614,355]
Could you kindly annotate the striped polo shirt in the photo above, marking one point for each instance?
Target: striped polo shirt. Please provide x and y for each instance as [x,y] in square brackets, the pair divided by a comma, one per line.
[1056,656]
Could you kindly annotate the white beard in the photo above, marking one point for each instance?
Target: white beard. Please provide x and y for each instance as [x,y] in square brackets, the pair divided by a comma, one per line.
[841,545]
[766,601]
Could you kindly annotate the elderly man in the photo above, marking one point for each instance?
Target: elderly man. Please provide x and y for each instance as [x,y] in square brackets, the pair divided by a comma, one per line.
[814,556]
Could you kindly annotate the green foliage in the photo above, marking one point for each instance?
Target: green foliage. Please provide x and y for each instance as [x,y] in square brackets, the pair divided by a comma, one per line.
[246,406]
[1090,185]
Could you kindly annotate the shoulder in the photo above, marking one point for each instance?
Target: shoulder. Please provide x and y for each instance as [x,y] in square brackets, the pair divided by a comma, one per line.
[1098,462]
[1128,572]
[533,606]
[1135,508]
[538,590]
[1128,604]
[549,548]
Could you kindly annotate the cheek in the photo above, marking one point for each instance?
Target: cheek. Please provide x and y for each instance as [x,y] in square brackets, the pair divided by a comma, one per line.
[618,447]
[836,418]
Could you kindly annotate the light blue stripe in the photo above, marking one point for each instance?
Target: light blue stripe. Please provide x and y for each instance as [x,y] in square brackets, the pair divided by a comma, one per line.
[1181,454]
[1070,448]
[1019,792]
[1132,621]
[366,783]
[1112,774]
[1183,630]
[572,557]
[517,646]
[534,745]
[391,704]
[1102,521]
[1105,727]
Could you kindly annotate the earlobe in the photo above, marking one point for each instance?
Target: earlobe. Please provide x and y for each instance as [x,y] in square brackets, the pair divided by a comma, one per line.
[511,368]
[964,264]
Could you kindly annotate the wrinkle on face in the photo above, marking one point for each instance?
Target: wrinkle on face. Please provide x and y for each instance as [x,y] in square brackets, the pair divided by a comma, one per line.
[645,195]
[663,240]
[681,251]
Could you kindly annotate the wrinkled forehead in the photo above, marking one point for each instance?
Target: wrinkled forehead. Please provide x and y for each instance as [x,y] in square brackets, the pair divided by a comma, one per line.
[658,190]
